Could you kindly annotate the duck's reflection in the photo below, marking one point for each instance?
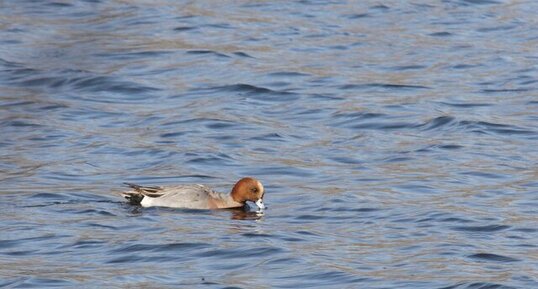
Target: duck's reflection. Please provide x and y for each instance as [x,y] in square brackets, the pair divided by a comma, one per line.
[245,214]
[242,213]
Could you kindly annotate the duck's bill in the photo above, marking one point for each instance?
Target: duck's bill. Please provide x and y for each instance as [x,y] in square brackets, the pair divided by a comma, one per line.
[260,204]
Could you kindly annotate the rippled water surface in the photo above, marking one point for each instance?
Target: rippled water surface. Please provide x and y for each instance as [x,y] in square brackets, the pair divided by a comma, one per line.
[397,141]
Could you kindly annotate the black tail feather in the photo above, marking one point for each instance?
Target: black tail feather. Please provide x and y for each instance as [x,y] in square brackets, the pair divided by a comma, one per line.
[134,198]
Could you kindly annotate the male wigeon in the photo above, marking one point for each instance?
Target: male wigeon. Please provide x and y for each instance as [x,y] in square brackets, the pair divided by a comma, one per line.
[196,196]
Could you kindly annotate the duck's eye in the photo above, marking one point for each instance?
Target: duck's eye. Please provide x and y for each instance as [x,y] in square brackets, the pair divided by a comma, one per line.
[254,190]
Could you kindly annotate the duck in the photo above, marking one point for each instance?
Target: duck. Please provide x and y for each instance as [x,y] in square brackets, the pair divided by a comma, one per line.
[196,196]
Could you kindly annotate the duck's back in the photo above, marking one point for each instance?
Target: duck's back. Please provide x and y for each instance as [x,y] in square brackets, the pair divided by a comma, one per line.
[183,196]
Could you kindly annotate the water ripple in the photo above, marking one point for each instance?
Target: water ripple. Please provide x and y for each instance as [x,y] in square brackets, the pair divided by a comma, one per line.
[492,257]
[486,228]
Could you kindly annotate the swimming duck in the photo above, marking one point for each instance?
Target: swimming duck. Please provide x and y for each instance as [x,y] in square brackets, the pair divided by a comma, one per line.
[196,196]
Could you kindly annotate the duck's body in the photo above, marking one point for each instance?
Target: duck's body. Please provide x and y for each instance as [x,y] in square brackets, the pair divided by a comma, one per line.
[196,196]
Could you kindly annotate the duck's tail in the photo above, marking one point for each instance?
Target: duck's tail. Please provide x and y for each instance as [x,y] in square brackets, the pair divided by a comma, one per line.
[134,197]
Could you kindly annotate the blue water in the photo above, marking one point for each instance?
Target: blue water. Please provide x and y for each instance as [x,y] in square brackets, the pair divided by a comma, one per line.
[397,141]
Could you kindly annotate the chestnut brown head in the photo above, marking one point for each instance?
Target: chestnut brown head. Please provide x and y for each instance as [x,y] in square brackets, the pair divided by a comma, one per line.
[249,189]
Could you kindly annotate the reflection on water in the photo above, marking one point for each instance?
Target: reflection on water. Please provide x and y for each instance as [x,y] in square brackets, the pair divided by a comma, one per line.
[397,143]
[241,214]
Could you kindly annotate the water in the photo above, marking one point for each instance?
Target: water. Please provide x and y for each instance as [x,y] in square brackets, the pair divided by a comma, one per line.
[397,143]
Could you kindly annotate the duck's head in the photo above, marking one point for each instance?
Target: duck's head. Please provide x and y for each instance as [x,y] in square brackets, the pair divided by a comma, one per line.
[249,189]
